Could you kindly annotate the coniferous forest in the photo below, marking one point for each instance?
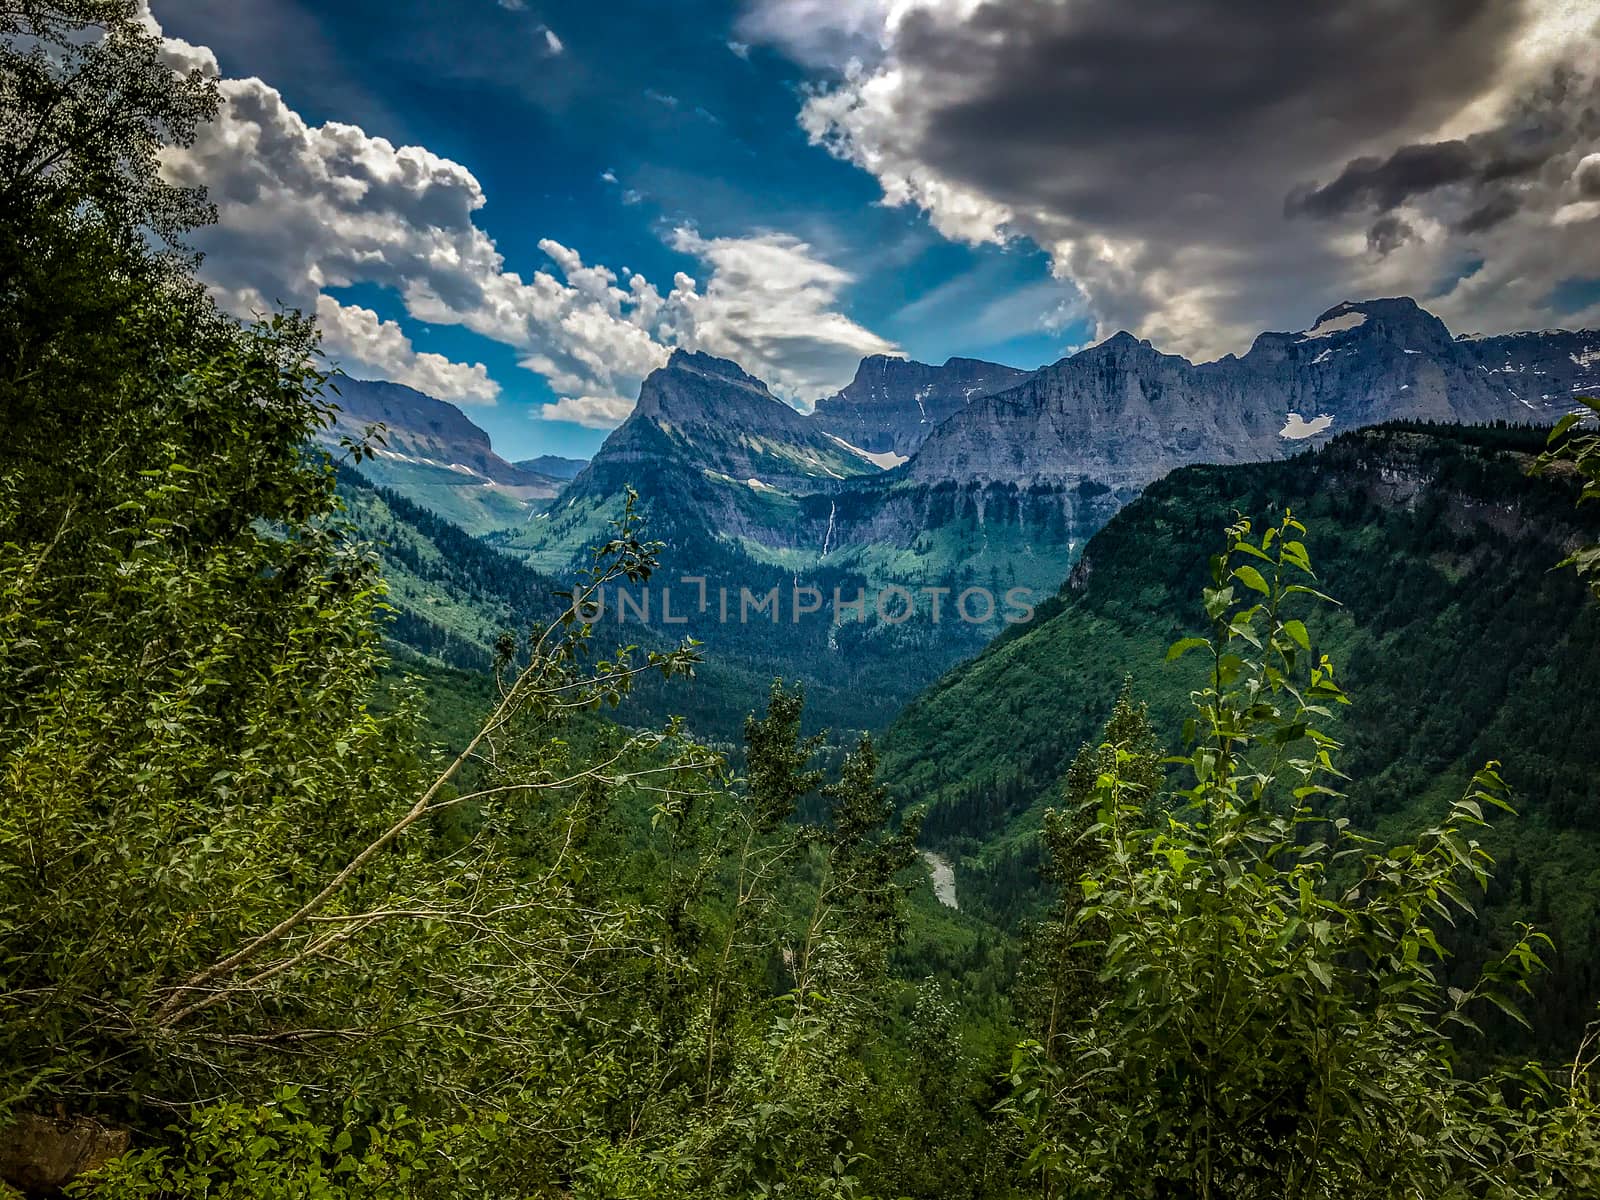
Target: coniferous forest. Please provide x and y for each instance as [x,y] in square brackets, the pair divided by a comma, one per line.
[1275,831]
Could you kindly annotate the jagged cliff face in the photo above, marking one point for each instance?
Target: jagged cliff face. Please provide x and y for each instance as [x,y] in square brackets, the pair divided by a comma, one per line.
[706,415]
[1540,371]
[1122,414]
[714,457]
[893,404]
[985,533]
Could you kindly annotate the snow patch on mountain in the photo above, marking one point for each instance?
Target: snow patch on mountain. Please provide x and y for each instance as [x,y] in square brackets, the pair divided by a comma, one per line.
[1343,323]
[883,460]
[1297,427]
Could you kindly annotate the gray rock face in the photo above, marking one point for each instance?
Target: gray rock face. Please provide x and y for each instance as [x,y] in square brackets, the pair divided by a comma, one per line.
[552,466]
[1122,414]
[1540,371]
[708,416]
[430,432]
[1046,461]
[433,455]
[42,1155]
[893,403]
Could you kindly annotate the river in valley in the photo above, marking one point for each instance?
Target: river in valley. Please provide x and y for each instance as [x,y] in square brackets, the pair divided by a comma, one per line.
[943,873]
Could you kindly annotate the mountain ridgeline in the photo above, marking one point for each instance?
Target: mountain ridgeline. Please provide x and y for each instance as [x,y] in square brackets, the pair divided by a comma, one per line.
[430,452]
[892,404]
[942,479]
[939,463]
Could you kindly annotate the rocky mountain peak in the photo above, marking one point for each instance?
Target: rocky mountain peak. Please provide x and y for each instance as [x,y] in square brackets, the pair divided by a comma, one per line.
[696,388]
[1399,320]
[433,454]
[712,419]
[876,374]
[404,410]
[701,363]
[1121,349]
[893,403]
[426,432]
[878,364]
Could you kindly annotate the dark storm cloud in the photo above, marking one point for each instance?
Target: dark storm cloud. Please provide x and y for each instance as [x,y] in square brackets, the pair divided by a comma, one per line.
[1500,207]
[1150,146]
[1588,177]
[1122,115]
[1200,169]
[1388,234]
[1386,184]
[1544,127]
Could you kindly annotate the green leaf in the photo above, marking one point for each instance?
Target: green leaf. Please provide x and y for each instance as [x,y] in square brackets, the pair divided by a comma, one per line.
[1300,589]
[1252,579]
[1562,426]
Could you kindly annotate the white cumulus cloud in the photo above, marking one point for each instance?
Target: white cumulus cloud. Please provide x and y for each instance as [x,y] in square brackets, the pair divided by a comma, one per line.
[306,209]
[358,334]
[770,300]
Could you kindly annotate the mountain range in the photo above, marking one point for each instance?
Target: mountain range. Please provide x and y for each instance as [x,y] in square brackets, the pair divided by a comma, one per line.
[965,475]
[553,466]
[915,471]
[893,403]
[1123,414]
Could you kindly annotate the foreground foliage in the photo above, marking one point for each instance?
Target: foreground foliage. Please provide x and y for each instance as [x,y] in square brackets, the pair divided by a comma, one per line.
[1269,1016]
[1574,446]
[251,915]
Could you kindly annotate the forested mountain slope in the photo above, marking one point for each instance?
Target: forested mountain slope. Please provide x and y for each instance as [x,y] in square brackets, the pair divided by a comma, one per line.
[451,595]
[1457,642]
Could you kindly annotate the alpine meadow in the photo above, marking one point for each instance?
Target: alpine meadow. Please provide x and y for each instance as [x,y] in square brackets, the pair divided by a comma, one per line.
[477,723]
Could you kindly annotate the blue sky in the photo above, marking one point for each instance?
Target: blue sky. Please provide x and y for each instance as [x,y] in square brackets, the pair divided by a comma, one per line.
[651,96]
[522,206]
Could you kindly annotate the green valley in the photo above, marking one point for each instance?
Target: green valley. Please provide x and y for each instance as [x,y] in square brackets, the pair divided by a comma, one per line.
[1130,777]
[1455,638]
